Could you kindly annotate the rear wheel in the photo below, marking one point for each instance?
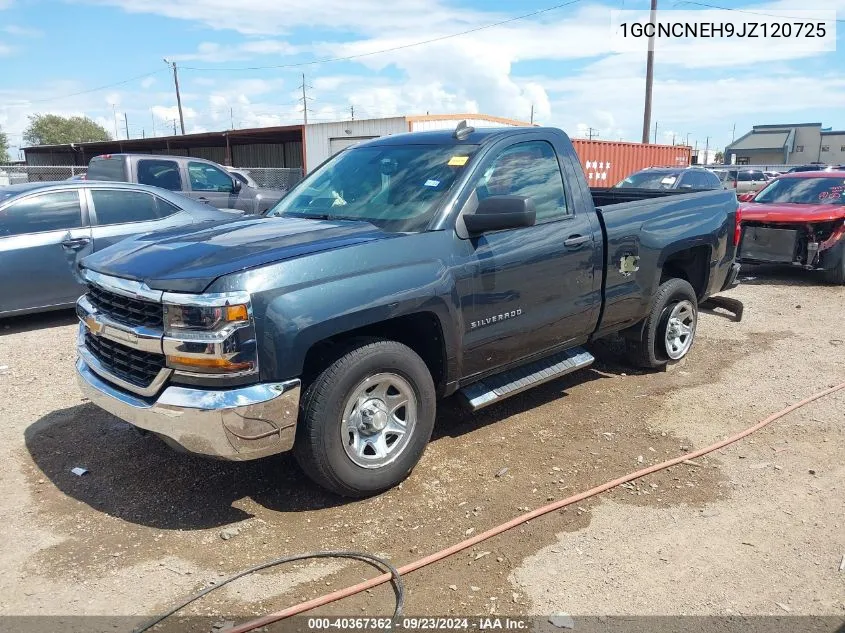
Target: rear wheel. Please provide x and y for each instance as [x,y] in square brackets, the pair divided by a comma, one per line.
[667,334]
[366,419]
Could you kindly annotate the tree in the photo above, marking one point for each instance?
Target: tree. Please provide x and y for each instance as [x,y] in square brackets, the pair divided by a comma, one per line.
[719,157]
[4,146]
[52,129]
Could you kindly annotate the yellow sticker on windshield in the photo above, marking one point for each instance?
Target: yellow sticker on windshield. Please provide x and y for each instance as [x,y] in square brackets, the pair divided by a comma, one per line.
[458,161]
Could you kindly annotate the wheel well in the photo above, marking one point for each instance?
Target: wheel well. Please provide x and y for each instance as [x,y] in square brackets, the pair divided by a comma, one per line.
[421,332]
[692,265]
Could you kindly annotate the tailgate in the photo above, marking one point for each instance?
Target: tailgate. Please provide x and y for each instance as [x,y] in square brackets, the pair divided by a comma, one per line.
[768,245]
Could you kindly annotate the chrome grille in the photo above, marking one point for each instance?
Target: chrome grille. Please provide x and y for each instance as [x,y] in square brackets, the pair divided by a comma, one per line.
[132,365]
[126,309]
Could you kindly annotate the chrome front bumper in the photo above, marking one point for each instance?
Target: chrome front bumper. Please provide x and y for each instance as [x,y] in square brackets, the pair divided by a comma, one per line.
[236,424]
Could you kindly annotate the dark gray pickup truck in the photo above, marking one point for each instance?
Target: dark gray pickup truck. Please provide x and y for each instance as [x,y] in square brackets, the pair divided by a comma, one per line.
[195,178]
[403,270]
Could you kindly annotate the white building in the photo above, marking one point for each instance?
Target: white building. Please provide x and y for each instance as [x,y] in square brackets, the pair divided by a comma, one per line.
[323,140]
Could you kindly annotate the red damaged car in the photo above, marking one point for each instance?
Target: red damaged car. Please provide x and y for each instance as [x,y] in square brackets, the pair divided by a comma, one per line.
[797,219]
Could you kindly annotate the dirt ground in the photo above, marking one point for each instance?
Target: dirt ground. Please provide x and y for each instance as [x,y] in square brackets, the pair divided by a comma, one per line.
[757,528]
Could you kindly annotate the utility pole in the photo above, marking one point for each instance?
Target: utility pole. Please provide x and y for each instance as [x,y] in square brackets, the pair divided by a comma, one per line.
[591,134]
[305,98]
[673,138]
[174,127]
[178,96]
[352,112]
[114,118]
[153,117]
[532,114]
[706,149]
[231,118]
[733,133]
[655,133]
[649,75]
[687,143]
[126,123]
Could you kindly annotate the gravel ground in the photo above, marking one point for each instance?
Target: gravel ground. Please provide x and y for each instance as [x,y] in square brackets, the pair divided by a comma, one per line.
[757,528]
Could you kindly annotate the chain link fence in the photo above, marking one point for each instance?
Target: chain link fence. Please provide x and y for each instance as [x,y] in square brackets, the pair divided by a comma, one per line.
[262,177]
[272,177]
[15,174]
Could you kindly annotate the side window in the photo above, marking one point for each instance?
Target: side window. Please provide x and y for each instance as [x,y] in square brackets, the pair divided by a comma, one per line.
[57,211]
[712,181]
[689,181]
[527,169]
[744,176]
[205,177]
[160,173]
[118,206]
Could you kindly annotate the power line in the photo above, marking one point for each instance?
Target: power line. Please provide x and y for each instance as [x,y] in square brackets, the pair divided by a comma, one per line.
[84,92]
[394,48]
[770,15]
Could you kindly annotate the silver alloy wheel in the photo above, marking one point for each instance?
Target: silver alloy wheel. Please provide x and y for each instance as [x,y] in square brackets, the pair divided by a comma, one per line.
[680,329]
[378,420]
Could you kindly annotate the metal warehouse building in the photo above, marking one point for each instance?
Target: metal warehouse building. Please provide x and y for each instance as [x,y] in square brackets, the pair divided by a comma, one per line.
[290,146]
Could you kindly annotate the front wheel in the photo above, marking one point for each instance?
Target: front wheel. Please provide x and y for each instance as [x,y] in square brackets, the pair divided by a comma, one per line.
[668,332]
[366,419]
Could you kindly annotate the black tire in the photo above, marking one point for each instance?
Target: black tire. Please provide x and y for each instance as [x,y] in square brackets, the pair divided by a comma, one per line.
[319,447]
[836,275]
[646,345]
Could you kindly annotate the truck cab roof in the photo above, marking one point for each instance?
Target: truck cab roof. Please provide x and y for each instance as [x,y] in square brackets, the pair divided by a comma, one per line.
[479,136]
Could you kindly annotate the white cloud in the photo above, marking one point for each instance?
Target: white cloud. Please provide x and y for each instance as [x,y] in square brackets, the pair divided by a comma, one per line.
[5,50]
[169,113]
[147,82]
[212,52]
[21,31]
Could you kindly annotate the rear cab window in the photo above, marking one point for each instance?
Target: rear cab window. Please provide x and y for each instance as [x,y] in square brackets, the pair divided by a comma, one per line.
[110,168]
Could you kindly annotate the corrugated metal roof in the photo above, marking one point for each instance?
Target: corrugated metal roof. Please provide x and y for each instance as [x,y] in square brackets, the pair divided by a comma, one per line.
[761,140]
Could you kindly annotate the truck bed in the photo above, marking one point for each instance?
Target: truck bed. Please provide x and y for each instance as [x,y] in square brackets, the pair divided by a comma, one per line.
[638,223]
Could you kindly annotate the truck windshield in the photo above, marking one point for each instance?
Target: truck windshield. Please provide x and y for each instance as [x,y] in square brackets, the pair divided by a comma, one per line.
[649,180]
[397,188]
[804,191]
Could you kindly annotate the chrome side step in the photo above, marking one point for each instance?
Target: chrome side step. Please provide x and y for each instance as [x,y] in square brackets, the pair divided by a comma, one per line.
[496,388]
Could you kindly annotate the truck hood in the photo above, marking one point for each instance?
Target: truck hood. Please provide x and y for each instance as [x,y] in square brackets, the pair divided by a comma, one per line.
[791,213]
[188,259]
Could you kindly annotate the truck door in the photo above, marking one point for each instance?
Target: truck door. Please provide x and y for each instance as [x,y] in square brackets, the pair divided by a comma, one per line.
[532,288]
[216,187]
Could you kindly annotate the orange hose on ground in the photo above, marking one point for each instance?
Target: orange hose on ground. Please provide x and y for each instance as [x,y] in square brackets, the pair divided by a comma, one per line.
[494,531]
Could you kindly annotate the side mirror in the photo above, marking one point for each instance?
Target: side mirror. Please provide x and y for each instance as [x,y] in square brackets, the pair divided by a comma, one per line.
[501,212]
[745,197]
[236,185]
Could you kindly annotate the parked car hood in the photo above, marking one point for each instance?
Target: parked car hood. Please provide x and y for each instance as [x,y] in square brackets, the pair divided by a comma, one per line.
[188,259]
[789,212]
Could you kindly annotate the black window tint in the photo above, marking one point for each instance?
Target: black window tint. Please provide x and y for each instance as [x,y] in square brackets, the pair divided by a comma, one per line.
[115,206]
[160,173]
[712,181]
[527,169]
[113,169]
[166,208]
[57,211]
[744,176]
[690,180]
[205,177]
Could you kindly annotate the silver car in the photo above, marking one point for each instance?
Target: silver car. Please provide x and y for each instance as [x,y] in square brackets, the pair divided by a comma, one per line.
[46,228]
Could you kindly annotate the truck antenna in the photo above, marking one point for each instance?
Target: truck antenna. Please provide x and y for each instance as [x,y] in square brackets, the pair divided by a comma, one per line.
[463,131]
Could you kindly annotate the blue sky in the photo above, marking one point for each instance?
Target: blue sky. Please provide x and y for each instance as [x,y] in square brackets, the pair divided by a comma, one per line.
[562,62]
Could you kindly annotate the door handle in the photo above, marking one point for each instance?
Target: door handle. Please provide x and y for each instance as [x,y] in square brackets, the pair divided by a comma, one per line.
[575,241]
[76,243]
[203,199]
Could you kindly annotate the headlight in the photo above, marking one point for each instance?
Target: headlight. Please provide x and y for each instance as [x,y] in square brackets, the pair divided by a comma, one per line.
[210,334]
[203,318]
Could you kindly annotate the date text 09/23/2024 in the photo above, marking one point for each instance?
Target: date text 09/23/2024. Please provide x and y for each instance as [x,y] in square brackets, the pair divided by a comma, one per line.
[420,624]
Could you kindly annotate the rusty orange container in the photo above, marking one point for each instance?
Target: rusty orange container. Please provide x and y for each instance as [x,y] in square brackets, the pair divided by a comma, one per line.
[607,162]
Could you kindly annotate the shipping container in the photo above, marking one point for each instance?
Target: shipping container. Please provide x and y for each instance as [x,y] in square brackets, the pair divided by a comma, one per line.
[607,162]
